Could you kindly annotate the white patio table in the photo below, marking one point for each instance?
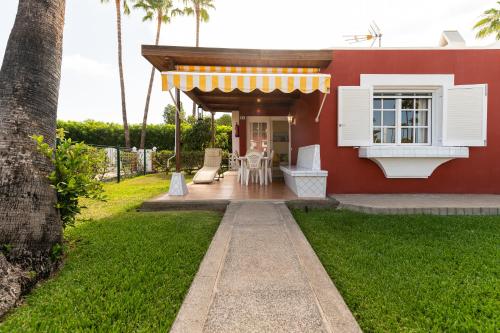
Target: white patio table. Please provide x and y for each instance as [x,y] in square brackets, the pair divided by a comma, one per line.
[263,160]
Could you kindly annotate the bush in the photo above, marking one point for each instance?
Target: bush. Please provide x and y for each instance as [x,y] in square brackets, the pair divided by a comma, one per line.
[195,136]
[77,167]
[190,161]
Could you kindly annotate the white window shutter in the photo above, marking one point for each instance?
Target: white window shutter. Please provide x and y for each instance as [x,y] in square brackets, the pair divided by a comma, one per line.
[464,116]
[354,116]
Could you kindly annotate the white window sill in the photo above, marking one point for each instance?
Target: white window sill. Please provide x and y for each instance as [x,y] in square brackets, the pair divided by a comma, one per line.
[411,161]
[413,151]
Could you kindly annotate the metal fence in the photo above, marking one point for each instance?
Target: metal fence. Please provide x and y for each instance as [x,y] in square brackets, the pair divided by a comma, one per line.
[130,162]
[126,162]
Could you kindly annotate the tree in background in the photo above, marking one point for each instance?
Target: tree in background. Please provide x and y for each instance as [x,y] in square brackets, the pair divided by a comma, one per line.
[126,10]
[198,8]
[169,114]
[162,11]
[198,136]
[224,120]
[30,224]
[489,23]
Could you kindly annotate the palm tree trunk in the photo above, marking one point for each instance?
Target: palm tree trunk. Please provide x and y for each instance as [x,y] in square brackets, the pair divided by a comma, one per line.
[150,87]
[29,89]
[197,12]
[197,15]
[120,68]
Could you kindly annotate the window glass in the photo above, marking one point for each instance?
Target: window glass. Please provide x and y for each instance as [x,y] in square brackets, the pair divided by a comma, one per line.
[389,135]
[377,118]
[389,118]
[421,135]
[389,103]
[421,103]
[377,135]
[401,118]
[406,118]
[421,118]
[407,135]
[407,103]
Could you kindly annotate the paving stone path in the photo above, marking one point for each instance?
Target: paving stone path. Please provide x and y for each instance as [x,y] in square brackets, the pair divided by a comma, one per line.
[261,275]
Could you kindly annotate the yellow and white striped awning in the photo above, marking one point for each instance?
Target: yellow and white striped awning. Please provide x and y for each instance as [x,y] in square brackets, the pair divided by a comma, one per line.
[246,79]
[255,70]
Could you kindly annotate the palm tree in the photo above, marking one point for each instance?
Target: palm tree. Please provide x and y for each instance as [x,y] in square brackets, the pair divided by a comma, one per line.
[163,12]
[126,10]
[198,8]
[30,225]
[489,24]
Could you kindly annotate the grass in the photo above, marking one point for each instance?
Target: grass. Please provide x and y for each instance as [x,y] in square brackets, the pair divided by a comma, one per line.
[125,271]
[411,273]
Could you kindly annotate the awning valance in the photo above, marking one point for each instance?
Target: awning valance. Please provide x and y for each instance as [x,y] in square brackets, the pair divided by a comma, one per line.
[246,79]
[236,69]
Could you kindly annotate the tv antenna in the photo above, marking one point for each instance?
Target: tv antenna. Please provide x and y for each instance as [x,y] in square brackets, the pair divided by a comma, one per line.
[374,35]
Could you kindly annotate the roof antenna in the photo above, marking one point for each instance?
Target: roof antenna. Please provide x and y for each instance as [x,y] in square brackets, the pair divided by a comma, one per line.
[374,34]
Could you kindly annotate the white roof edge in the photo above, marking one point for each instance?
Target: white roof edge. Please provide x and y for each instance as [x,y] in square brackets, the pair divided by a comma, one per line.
[450,39]
[494,46]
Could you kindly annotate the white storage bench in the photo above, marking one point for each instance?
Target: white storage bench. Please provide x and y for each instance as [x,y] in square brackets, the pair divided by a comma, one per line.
[306,179]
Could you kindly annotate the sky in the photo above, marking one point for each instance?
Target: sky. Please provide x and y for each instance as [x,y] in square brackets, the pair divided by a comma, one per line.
[90,83]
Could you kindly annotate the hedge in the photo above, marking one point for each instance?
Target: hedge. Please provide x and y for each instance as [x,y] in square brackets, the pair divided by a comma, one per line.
[159,136]
[190,160]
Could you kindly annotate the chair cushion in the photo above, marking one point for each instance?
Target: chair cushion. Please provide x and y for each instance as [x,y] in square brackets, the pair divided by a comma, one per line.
[205,175]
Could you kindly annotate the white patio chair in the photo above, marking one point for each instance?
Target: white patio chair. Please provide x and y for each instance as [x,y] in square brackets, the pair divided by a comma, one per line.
[270,166]
[253,167]
[211,165]
[237,164]
[233,161]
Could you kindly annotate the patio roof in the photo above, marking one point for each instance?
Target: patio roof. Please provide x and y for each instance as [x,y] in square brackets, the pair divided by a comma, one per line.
[166,58]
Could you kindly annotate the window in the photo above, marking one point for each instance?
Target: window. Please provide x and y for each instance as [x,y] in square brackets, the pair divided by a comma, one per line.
[402,118]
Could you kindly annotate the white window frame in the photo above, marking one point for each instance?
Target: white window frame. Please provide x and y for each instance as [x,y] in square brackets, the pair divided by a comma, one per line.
[437,84]
[398,110]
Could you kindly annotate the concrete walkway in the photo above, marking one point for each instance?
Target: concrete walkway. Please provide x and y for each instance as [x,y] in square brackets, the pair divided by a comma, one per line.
[261,275]
[429,204]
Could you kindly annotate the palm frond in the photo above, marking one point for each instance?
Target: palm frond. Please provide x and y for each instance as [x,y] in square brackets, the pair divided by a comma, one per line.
[204,16]
[188,11]
[126,8]
[148,17]
[489,24]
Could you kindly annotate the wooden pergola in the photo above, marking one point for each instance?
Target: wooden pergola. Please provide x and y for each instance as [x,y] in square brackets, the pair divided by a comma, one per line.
[166,58]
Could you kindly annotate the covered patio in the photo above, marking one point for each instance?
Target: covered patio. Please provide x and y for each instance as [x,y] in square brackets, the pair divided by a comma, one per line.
[264,90]
[228,188]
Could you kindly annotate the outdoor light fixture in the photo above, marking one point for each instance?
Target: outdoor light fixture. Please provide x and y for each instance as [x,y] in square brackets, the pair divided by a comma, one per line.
[290,119]
[200,112]
[258,100]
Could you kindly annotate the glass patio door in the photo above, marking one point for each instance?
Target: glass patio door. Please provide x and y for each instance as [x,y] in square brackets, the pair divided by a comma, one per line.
[259,136]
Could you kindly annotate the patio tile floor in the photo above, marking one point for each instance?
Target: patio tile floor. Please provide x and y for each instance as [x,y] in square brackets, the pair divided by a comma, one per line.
[228,188]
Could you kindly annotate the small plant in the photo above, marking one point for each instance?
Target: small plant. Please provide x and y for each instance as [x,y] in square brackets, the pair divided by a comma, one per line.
[77,166]
[56,252]
[5,248]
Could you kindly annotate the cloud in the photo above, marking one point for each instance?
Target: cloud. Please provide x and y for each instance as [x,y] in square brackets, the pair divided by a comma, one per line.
[88,67]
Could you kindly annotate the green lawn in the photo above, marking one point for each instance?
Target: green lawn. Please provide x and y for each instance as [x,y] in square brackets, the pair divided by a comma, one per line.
[411,273]
[125,271]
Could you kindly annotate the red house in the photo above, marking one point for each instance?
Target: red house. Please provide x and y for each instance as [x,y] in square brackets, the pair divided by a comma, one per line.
[415,120]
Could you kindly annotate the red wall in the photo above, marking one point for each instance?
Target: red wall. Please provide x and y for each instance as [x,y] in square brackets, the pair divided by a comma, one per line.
[305,131]
[347,173]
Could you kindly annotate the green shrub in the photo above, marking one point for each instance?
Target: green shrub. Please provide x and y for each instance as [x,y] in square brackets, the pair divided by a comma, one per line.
[77,167]
[195,136]
[190,161]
